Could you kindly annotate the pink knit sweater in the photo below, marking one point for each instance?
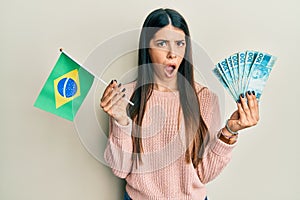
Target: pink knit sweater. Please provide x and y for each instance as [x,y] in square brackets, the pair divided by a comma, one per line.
[164,173]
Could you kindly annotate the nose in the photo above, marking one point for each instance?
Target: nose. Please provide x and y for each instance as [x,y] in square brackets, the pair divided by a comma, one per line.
[171,54]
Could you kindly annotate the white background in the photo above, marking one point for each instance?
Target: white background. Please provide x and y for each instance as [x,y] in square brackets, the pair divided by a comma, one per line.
[41,156]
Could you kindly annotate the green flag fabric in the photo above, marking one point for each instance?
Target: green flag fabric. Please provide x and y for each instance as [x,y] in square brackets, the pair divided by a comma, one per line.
[65,89]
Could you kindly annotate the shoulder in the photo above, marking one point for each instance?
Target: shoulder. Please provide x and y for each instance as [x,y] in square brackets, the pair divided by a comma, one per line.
[204,93]
[199,87]
[208,102]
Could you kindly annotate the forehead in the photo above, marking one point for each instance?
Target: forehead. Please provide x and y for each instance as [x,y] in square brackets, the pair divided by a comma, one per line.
[169,32]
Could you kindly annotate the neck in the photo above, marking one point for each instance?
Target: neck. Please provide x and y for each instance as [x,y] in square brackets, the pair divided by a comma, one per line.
[165,87]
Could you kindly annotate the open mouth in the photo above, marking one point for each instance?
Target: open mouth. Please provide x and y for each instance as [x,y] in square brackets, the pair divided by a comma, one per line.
[170,70]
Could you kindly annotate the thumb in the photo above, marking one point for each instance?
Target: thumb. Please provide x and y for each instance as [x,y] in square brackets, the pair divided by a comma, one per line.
[235,115]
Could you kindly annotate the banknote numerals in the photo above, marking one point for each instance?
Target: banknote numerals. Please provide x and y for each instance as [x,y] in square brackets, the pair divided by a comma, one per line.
[241,58]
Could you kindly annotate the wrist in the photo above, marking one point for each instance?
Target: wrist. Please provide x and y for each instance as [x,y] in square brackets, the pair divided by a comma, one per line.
[230,127]
[123,121]
[227,137]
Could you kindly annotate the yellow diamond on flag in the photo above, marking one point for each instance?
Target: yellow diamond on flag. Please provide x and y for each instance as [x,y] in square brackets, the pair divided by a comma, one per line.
[66,88]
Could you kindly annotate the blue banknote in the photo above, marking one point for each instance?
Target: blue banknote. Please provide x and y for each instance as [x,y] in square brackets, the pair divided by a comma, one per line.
[241,60]
[257,62]
[224,68]
[233,76]
[250,57]
[235,69]
[223,82]
[260,73]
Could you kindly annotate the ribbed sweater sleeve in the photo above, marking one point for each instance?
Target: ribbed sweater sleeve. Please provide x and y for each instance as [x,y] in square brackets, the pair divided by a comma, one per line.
[217,154]
[118,152]
[215,160]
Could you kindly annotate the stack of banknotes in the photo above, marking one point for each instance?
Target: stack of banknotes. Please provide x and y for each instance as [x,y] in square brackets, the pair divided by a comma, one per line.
[245,71]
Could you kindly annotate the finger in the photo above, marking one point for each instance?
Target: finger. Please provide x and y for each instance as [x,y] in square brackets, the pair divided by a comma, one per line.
[244,105]
[113,91]
[255,101]
[108,89]
[235,115]
[242,116]
[116,96]
[106,99]
[241,112]
[250,99]
[119,107]
[253,106]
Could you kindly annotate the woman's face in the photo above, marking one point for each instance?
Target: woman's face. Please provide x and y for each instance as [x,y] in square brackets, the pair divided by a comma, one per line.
[167,49]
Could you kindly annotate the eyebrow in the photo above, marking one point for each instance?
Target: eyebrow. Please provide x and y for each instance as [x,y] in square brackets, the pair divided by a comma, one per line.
[159,40]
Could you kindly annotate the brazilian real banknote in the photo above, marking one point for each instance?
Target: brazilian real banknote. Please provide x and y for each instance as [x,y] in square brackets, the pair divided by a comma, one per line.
[245,71]
[241,67]
[260,73]
[224,70]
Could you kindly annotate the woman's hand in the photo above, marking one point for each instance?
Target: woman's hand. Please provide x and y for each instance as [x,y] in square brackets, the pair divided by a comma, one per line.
[246,115]
[113,102]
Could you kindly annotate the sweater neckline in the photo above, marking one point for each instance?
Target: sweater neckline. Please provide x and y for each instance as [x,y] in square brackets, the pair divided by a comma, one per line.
[170,94]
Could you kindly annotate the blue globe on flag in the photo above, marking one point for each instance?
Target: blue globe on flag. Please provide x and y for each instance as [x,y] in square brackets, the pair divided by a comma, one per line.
[67,87]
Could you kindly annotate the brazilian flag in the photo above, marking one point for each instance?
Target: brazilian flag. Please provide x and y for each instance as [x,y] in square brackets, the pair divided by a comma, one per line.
[65,89]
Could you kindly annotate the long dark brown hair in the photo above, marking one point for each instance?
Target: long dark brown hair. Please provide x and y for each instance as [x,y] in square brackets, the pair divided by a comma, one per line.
[195,128]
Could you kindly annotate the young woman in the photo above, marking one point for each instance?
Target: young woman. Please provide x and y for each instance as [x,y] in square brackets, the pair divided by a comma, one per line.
[170,143]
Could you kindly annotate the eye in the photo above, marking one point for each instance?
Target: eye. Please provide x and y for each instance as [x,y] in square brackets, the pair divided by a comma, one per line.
[180,43]
[161,43]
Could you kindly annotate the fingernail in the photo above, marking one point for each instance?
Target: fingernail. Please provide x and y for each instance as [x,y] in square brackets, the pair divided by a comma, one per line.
[238,101]
[253,92]
[249,92]
[111,81]
[242,95]
[119,85]
[123,95]
[123,90]
[115,80]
